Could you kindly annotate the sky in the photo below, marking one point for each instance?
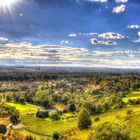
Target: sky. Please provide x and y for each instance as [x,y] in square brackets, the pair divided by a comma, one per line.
[87,33]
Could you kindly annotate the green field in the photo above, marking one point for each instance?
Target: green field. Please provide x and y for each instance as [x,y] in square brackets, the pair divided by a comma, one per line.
[67,126]
[46,126]
[132,95]
[24,108]
[43,128]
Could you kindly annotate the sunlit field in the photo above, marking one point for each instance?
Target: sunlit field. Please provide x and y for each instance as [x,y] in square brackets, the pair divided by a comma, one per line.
[43,128]
[132,95]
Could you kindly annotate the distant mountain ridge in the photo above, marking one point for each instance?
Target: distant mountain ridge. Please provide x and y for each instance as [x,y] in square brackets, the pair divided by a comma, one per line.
[64,69]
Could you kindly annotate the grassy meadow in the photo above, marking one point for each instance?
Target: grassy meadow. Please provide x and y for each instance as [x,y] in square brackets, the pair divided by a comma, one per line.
[43,128]
[132,95]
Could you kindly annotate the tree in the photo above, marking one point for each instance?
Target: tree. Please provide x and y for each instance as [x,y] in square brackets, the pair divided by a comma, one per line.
[72,107]
[99,109]
[46,103]
[56,136]
[55,116]
[15,117]
[42,114]
[90,107]
[105,107]
[3,128]
[84,120]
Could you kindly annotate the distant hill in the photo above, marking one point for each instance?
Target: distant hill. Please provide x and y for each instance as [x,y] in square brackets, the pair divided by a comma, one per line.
[64,69]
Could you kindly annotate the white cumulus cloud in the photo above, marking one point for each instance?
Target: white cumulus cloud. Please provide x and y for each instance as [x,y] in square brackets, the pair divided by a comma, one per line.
[123,1]
[119,9]
[139,33]
[3,39]
[111,35]
[94,41]
[97,1]
[72,35]
[133,26]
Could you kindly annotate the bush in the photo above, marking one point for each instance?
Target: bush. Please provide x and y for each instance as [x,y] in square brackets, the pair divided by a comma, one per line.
[96,119]
[15,118]
[30,138]
[72,108]
[3,128]
[110,131]
[105,107]
[129,112]
[134,101]
[55,116]
[84,120]
[42,114]
[90,107]
[56,136]
[99,109]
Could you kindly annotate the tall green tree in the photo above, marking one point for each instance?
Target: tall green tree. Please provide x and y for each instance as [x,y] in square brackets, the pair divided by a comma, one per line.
[84,120]
[15,117]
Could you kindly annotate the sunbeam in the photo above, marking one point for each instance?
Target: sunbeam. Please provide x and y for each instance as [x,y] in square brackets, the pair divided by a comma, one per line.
[7,3]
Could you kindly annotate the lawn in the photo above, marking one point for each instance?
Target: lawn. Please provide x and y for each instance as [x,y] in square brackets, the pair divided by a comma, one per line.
[132,95]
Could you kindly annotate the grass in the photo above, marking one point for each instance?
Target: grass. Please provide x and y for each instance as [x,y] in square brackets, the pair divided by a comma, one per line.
[43,128]
[118,117]
[4,121]
[47,126]
[132,95]
[24,108]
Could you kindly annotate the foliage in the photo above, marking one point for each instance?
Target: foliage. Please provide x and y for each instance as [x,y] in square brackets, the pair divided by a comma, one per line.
[129,112]
[72,107]
[42,114]
[109,131]
[54,116]
[15,117]
[96,119]
[30,137]
[84,120]
[56,136]
[3,128]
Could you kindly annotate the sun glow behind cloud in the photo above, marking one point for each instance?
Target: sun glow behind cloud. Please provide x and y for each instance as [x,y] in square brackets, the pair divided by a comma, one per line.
[7,3]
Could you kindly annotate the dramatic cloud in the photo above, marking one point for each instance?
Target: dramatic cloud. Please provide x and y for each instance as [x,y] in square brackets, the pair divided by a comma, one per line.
[133,26]
[111,35]
[94,41]
[119,9]
[71,33]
